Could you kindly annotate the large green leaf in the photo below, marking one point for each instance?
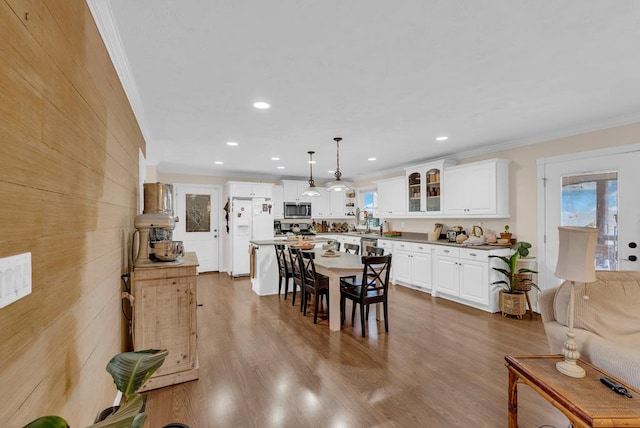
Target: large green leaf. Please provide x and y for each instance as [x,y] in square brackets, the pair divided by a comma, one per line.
[125,416]
[130,370]
[50,421]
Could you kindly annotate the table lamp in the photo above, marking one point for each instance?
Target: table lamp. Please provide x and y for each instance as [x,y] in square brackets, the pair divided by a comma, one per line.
[576,263]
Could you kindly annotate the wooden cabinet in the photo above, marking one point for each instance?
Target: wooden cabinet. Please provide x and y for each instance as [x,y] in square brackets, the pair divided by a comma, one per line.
[293,191]
[424,188]
[412,265]
[479,189]
[250,190]
[165,318]
[391,197]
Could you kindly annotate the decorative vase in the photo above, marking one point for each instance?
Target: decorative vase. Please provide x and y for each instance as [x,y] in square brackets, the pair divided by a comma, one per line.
[512,303]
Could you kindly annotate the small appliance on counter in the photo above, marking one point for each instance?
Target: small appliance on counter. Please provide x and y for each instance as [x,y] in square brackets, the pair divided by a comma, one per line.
[155,228]
[453,233]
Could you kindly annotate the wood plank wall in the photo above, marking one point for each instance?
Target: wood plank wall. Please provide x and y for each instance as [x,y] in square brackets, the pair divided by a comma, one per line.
[68,191]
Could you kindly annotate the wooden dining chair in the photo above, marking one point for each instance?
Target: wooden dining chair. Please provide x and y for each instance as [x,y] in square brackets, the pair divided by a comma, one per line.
[284,269]
[315,284]
[372,287]
[375,251]
[351,248]
[297,269]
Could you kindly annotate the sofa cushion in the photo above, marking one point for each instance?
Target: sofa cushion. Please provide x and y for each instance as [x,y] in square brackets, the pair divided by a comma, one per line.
[612,310]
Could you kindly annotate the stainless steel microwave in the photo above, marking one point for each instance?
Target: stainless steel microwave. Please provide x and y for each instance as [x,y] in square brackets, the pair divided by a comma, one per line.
[297,210]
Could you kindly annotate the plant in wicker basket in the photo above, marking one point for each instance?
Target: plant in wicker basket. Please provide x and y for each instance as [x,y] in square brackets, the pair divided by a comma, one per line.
[517,280]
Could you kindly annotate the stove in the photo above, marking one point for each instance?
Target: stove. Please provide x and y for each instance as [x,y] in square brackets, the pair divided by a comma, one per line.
[304,228]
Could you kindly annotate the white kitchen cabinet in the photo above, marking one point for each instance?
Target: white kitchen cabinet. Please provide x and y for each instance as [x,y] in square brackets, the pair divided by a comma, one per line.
[388,246]
[464,275]
[479,189]
[412,265]
[250,190]
[278,202]
[293,191]
[328,204]
[391,197]
[347,203]
[423,188]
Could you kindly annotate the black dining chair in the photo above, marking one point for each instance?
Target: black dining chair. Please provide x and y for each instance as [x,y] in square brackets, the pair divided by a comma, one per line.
[315,284]
[284,269]
[375,251]
[351,248]
[369,289]
[297,271]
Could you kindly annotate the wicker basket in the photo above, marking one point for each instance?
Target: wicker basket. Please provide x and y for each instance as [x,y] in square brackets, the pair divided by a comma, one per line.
[512,303]
[523,281]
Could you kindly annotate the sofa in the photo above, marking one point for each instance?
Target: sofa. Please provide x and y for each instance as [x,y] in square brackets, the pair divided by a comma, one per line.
[607,324]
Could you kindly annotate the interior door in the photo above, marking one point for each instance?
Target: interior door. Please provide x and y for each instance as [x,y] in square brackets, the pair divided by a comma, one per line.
[591,189]
[197,207]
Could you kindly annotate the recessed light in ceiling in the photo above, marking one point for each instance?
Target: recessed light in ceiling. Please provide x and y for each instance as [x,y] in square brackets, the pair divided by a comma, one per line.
[219,162]
[275,158]
[231,143]
[371,159]
[280,167]
[443,138]
[261,105]
[331,171]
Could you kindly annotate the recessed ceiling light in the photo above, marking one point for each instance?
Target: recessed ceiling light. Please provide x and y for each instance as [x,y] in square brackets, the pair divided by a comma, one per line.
[261,105]
[275,158]
[219,162]
[371,159]
[331,171]
[280,167]
[231,143]
[311,161]
[443,138]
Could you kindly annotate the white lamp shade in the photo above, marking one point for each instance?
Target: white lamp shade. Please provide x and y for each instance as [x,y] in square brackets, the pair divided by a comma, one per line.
[576,254]
[311,191]
[338,186]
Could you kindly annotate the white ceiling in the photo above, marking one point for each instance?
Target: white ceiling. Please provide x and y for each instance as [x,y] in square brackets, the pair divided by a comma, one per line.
[387,76]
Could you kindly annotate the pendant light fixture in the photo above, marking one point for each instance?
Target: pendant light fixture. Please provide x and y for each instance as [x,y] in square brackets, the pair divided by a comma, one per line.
[311,190]
[338,185]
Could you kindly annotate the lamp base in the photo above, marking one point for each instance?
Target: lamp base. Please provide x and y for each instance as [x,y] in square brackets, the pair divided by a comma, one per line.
[570,368]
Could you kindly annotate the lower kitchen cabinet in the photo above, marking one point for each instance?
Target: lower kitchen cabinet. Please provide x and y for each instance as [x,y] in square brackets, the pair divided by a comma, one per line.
[164,313]
[464,275]
[412,265]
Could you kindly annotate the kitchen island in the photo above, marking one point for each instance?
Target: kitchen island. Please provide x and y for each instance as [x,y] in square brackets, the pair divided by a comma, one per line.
[265,276]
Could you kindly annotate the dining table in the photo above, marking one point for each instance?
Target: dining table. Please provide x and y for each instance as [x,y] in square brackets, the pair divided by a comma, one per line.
[336,266]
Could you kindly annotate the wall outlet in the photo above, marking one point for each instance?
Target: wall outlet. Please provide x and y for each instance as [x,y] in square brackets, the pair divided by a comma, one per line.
[15,278]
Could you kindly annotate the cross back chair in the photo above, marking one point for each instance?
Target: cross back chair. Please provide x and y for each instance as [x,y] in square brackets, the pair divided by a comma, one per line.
[315,284]
[351,248]
[285,272]
[295,257]
[375,251]
[372,287]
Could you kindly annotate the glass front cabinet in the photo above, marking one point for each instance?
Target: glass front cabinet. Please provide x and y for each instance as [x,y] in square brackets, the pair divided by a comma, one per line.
[424,184]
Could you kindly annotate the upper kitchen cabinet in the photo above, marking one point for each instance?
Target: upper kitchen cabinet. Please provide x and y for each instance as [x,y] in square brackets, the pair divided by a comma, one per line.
[330,204]
[424,188]
[391,197]
[250,190]
[293,191]
[479,189]
[278,202]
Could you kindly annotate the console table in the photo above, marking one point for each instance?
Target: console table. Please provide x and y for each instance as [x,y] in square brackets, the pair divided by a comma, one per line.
[585,401]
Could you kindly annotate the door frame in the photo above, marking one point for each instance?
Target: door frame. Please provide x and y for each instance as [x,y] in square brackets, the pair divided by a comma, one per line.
[541,196]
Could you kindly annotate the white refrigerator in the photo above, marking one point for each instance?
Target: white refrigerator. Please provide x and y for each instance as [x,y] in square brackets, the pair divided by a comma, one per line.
[251,220]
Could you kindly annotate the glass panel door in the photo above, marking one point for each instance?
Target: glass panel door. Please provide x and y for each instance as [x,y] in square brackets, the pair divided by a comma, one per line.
[592,200]
[433,190]
[414,192]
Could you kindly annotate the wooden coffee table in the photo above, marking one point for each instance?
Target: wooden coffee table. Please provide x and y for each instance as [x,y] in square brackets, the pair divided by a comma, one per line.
[585,401]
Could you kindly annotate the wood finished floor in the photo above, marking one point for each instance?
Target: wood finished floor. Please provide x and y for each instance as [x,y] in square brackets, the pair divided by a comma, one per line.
[262,364]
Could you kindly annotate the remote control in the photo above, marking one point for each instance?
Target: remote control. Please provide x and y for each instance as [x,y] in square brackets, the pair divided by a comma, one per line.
[615,386]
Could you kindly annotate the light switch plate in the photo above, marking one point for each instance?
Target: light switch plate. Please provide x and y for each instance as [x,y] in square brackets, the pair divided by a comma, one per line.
[15,278]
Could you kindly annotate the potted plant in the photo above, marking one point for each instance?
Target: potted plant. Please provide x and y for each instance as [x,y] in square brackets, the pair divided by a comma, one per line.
[512,298]
[129,370]
[506,234]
